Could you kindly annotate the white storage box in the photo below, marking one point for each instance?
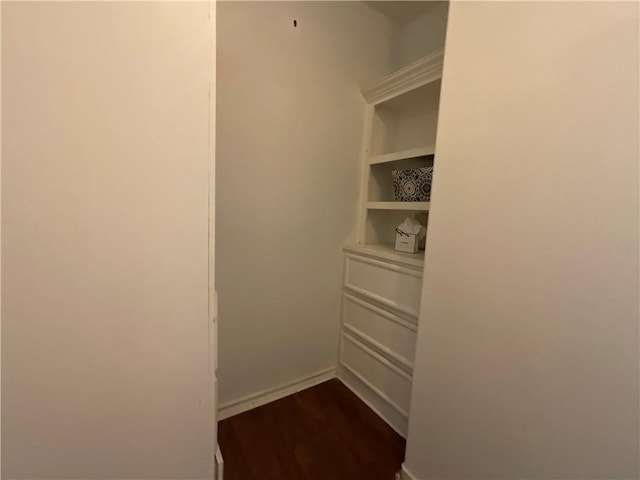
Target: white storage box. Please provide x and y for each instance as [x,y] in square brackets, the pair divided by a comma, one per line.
[406,242]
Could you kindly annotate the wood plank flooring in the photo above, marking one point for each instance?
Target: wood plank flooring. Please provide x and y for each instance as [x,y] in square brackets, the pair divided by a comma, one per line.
[322,433]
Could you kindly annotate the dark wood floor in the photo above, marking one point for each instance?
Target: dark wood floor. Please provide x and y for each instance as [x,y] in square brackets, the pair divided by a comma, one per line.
[322,433]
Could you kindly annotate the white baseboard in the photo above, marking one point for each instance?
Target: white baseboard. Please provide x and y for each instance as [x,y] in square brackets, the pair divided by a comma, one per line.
[406,474]
[219,465]
[267,396]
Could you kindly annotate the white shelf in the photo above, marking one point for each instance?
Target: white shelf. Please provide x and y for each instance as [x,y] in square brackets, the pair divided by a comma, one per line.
[403,206]
[404,155]
[387,252]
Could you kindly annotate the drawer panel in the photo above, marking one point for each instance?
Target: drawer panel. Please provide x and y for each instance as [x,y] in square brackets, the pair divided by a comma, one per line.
[394,419]
[395,287]
[383,329]
[388,381]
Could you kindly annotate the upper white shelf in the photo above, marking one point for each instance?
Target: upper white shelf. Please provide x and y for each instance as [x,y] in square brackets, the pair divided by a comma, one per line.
[426,70]
[404,155]
[412,206]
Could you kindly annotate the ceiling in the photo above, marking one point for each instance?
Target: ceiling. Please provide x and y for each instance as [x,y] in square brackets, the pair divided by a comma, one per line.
[402,12]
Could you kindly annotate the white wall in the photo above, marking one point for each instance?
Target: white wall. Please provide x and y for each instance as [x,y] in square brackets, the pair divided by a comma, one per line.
[421,36]
[104,240]
[527,363]
[290,119]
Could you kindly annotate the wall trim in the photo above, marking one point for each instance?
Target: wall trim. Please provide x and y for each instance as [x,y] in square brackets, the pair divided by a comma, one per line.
[255,400]
[406,474]
[218,473]
[425,70]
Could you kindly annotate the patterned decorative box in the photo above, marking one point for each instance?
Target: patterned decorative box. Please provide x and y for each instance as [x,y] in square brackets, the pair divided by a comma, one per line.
[412,185]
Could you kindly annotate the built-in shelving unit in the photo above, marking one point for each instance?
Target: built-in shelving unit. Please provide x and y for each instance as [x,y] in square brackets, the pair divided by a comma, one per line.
[401,125]
[382,287]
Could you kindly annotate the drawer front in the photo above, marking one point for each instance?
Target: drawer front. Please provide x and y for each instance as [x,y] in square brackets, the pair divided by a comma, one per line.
[385,379]
[393,286]
[392,335]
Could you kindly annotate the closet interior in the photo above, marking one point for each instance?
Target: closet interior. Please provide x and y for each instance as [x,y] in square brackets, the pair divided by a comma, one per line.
[319,105]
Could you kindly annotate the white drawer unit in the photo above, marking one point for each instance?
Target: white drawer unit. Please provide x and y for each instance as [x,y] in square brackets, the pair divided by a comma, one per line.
[394,286]
[380,306]
[388,333]
[382,376]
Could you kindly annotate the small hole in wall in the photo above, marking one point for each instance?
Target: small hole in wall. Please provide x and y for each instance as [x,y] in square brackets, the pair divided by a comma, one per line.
[295,23]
